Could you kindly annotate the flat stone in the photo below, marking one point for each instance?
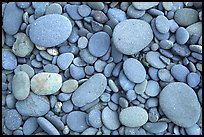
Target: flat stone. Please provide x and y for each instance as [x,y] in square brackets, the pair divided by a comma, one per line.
[23,5]
[84,10]
[46,83]
[193,79]
[21,85]
[76,120]
[152,88]
[162,24]
[165,75]
[30,125]
[51,68]
[182,35]
[94,118]
[12,19]
[33,105]
[110,118]
[140,87]
[116,14]
[180,50]
[166,44]
[67,106]
[123,32]
[77,72]
[69,86]
[124,82]
[154,60]
[47,30]
[174,101]
[195,28]
[54,8]
[90,131]
[87,57]
[167,5]
[9,61]
[155,127]
[72,11]
[144,5]
[193,130]
[89,90]
[133,116]
[64,60]
[179,72]
[99,44]
[96,5]
[135,13]
[134,70]
[99,16]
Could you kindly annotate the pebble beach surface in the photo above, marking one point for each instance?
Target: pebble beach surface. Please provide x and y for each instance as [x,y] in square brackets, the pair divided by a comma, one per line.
[102,68]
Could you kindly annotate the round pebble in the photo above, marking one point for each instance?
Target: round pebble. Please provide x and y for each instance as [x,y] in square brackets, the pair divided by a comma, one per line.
[94,118]
[193,79]
[165,75]
[69,86]
[179,72]
[152,88]
[155,127]
[84,10]
[64,60]
[144,5]
[162,24]
[30,125]
[123,32]
[154,60]
[134,13]
[124,82]
[115,13]
[182,35]
[12,119]
[193,130]
[54,8]
[9,61]
[77,72]
[174,101]
[72,11]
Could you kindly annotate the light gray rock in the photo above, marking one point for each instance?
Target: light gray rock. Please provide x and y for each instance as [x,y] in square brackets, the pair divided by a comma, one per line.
[155,127]
[144,5]
[154,60]
[94,118]
[180,72]
[77,72]
[9,61]
[182,35]
[162,24]
[124,82]
[30,126]
[69,86]
[116,14]
[193,130]
[152,88]
[64,60]
[193,79]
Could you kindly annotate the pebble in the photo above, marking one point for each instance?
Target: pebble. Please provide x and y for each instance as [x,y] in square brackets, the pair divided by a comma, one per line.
[154,60]
[167,5]
[64,60]
[140,87]
[155,127]
[99,16]
[10,101]
[182,35]
[46,79]
[51,68]
[116,14]
[186,16]
[153,114]
[94,118]
[21,85]
[82,42]
[56,121]
[193,79]
[105,97]
[180,50]
[153,73]
[144,5]
[77,72]
[72,11]
[63,96]
[124,82]
[131,112]
[54,8]
[30,126]
[67,106]
[162,24]
[9,61]
[130,95]
[112,85]
[33,105]
[195,29]
[123,102]
[134,13]
[89,90]
[89,70]
[166,44]
[108,69]
[179,72]
[110,118]
[134,70]
[87,57]
[12,19]
[47,30]
[69,86]
[175,104]
[78,116]
[96,5]
[99,44]
[152,88]
[47,126]
[173,25]
[196,48]
[90,131]
[165,75]
[18,132]
[193,130]
[139,28]
[84,10]
[23,5]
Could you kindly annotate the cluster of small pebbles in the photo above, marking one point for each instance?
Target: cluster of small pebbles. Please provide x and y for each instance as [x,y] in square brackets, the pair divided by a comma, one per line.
[102,68]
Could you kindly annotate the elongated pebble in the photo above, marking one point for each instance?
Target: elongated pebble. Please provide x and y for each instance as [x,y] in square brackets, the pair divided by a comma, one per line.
[155,127]
[30,125]
[69,86]
[12,119]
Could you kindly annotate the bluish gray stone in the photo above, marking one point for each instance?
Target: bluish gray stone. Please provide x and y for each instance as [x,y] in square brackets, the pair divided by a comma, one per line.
[165,75]
[84,10]
[94,118]
[153,73]
[130,95]
[135,13]
[154,60]
[63,96]
[87,57]
[9,61]
[144,5]
[96,5]
[182,35]
[124,82]
[162,24]
[51,68]
[155,127]
[30,126]
[54,8]
[64,60]
[89,131]
[56,121]
[72,11]
[193,79]
[180,50]
[179,72]
[77,72]
[193,130]
[153,114]
[152,88]
[10,101]
[117,14]
[166,44]
[99,16]
[67,106]
[23,5]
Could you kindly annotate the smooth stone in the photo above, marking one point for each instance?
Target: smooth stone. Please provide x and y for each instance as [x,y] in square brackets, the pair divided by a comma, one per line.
[28,69]
[12,19]
[64,60]
[152,88]
[87,57]
[154,60]
[47,30]
[110,118]
[162,24]
[9,61]
[133,116]
[10,101]
[99,16]
[77,72]
[182,35]
[180,50]
[144,5]
[99,44]
[166,44]
[47,126]
[186,16]
[90,131]
[21,85]
[30,126]
[123,102]
[179,72]
[141,30]
[105,97]
[3,38]
[46,83]
[130,95]
[76,120]
[54,8]
[94,118]
[193,130]
[117,56]
[89,70]
[23,5]
[124,82]
[96,5]
[153,73]
[116,14]
[72,11]
[69,86]
[165,75]
[134,13]
[67,106]
[155,127]
[39,8]
[193,79]
[56,121]
[196,48]
[84,10]
[173,25]
[108,69]
[153,115]
[51,68]
[12,119]
[89,90]
[63,96]
[18,132]
[174,101]
[112,85]
[195,28]
[33,105]
[134,70]
[82,42]
[167,5]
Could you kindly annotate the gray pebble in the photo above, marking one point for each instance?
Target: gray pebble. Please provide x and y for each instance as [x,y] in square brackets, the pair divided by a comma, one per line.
[51,68]
[89,70]
[196,55]
[155,12]
[180,50]
[96,5]
[89,131]
[9,61]
[166,44]
[134,13]
[123,102]
[108,69]
[64,60]
[36,63]
[23,5]
[153,59]
[54,8]
[144,5]
[152,88]
[105,97]
[82,42]
[72,11]
[12,119]
[77,72]
[63,96]
[193,79]
[124,82]
[179,72]
[165,75]
[195,29]
[153,115]
[162,24]
[87,57]
[112,85]
[182,35]
[84,10]
[155,127]
[56,121]
[193,130]
[45,55]
[196,48]
[130,95]
[18,132]
[99,16]
[67,106]
[69,86]
[10,101]
[153,73]
[173,25]
[30,126]
[140,87]
[94,118]
[152,102]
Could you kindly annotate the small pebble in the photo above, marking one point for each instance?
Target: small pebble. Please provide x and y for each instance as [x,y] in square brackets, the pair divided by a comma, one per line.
[64,60]
[69,86]
[193,79]
[182,35]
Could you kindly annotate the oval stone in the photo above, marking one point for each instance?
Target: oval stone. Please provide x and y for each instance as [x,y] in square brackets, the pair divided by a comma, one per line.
[33,105]
[134,70]
[162,24]
[64,60]
[123,36]
[69,86]
[21,85]
[46,83]
[89,90]
[144,5]
[180,72]
[9,61]
[182,35]
[154,60]
[50,30]
[155,127]
[180,104]
[133,116]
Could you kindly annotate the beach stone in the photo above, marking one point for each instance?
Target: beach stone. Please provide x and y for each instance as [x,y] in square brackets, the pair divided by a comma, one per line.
[99,16]
[134,70]
[179,72]
[84,10]
[94,118]
[180,50]
[130,95]
[154,60]
[51,68]
[153,73]
[96,5]
[67,106]
[77,72]
[54,8]
[167,5]
[131,112]
[186,16]
[140,87]
[110,118]
[195,28]
[193,130]
[123,32]
[166,44]
[165,75]
[99,44]
[33,105]
[89,90]
[174,101]
[87,57]
[144,5]
[23,5]
[162,24]
[90,131]
[12,19]
[155,127]
[193,79]
[64,60]
[47,30]
[76,120]
[196,48]
[69,86]
[152,88]
[21,85]
[182,35]
[72,11]
[30,126]
[12,119]
[22,46]
[124,82]
[10,101]
[134,13]
[9,61]
[46,83]
[117,14]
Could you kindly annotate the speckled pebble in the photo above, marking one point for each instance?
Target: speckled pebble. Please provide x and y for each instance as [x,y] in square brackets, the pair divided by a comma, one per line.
[152,88]
[54,8]
[193,79]
[162,24]
[64,60]
[84,10]
[9,61]
[94,118]
[180,72]
[69,86]
[30,125]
